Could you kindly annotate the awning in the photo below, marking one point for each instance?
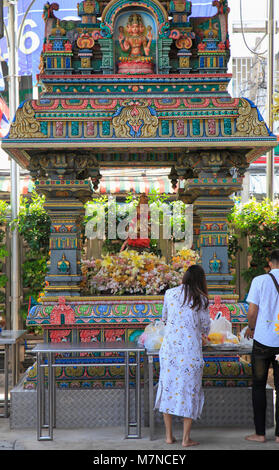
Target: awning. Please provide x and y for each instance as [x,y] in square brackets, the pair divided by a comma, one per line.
[143,184]
[118,183]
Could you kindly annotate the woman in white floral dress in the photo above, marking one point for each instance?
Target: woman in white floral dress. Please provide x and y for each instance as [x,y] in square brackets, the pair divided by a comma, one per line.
[186,314]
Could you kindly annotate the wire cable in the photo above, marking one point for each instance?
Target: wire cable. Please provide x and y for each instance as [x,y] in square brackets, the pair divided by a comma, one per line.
[243,36]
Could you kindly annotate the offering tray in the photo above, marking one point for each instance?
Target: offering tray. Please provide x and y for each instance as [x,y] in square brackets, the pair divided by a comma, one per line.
[240,349]
[214,348]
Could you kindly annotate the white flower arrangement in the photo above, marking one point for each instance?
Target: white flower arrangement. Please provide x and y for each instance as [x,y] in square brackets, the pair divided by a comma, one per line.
[132,273]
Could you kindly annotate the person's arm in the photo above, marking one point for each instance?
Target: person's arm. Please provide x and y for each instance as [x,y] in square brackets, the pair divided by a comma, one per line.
[253,299]
[165,309]
[205,321]
[252,315]
[205,325]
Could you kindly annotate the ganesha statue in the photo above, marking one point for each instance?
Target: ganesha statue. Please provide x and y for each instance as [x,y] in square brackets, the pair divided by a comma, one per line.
[135,41]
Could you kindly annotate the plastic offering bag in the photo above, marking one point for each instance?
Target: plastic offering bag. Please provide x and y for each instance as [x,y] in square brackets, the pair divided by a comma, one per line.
[231,339]
[153,335]
[245,341]
[220,325]
[221,331]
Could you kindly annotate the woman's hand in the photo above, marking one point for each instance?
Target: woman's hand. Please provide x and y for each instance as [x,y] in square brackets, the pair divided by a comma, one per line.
[204,340]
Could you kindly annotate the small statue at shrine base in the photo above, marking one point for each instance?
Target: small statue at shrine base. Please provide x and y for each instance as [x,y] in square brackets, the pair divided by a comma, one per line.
[136,39]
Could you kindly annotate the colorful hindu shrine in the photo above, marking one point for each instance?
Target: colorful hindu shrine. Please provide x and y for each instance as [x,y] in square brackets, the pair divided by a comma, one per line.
[141,83]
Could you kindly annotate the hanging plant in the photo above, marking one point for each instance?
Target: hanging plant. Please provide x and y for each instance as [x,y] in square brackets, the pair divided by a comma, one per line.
[33,222]
[259,221]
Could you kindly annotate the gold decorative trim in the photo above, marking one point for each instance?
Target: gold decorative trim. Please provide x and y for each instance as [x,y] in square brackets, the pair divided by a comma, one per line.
[248,123]
[25,125]
[149,144]
[123,298]
[53,288]
[131,117]
[225,296]
[104,298]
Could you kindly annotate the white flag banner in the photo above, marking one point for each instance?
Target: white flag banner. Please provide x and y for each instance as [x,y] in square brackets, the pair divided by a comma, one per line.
[2,83]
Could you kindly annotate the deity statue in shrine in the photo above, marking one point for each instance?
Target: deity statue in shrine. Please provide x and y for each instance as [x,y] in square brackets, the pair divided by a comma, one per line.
[142,220]
[135,39]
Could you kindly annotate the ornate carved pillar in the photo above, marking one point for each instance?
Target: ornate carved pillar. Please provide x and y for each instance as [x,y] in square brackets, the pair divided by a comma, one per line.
[196,230]
[213,236]
[106,46]
[63,178]
[210,179]
[164,45]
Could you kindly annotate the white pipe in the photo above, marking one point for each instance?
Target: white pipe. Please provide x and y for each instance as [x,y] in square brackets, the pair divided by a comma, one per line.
[270,159]
[15,184]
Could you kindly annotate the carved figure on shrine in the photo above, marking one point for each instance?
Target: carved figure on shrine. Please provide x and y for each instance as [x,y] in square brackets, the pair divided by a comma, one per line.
[49,9]
[85,43]
[49,16]
[135,39]
[212,52]
[88,11]
[180,10]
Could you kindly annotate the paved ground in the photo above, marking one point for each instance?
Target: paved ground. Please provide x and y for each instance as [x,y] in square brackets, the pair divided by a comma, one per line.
[112,439]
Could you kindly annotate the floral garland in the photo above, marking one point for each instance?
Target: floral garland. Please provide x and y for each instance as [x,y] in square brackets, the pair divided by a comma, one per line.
[130,272]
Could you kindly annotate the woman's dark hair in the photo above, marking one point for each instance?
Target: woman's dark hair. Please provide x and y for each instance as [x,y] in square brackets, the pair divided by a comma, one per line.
[274,256]
[195,287]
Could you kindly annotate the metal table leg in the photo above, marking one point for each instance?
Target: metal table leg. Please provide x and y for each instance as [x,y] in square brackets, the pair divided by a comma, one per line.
[127,395]
[50,396]
[41,399]
[13,364]
[17,364]
[49,412]
[6,386]
[5,413]
[54,392]
[151,397]
[138,400]
[128,422]
[145,392]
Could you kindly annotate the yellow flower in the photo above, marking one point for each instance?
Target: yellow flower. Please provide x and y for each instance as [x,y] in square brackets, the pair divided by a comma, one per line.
[134,271]
[107,261]
[125,254]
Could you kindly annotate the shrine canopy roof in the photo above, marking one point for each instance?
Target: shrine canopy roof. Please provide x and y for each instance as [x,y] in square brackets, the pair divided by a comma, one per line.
[137,81]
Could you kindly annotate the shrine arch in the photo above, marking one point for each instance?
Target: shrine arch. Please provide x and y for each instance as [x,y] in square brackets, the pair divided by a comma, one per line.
[153,6]
[154,18]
